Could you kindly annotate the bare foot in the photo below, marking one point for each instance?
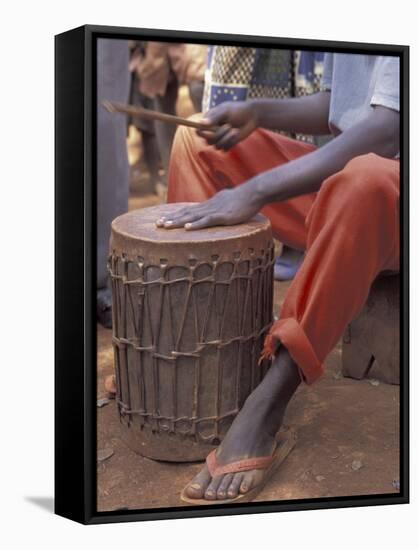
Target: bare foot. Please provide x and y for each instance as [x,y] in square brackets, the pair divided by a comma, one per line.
[252,434]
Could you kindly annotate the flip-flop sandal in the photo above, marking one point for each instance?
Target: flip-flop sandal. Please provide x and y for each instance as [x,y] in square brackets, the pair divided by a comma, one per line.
[285,442]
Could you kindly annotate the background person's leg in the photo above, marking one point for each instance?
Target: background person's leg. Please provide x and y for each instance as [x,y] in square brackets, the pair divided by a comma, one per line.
[151,153]
[112,159]
[196,93]
[165,132]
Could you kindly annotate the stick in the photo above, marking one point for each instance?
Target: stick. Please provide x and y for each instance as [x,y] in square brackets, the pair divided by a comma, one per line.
[113,107]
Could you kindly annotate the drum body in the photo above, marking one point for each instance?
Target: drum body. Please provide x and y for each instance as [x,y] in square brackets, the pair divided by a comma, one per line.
[190,313]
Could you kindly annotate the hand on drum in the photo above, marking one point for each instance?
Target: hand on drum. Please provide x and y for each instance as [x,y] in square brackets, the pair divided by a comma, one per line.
[228,207]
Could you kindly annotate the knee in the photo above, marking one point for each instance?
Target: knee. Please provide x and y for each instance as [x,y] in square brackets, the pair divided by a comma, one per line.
[364,167]
[362,182]
[183,136]
[186,139]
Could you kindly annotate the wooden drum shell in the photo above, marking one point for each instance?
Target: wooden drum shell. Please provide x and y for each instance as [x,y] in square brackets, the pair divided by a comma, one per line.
[190,313]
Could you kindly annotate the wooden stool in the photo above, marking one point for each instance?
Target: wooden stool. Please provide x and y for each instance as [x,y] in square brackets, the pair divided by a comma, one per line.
[371,342]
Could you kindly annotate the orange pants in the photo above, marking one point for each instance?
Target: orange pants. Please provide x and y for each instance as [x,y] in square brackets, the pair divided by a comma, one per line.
[349,231]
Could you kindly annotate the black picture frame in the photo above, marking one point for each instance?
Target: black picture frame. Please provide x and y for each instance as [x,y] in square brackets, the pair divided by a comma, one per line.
[75,293]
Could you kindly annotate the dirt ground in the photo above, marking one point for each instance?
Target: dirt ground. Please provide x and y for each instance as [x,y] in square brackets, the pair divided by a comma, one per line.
[341,424]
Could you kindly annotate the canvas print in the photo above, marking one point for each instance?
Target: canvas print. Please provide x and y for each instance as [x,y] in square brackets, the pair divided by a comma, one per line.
[248,257]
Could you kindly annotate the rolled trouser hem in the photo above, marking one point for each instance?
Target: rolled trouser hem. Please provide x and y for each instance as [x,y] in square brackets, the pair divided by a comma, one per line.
[290,334]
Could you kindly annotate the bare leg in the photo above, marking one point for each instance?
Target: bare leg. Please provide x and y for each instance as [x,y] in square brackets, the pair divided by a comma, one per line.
[252,432]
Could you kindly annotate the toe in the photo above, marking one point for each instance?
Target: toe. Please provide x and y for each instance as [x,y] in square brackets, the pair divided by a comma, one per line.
[222,488]
[233,490]
[250,480]
[211,492]
[199,484]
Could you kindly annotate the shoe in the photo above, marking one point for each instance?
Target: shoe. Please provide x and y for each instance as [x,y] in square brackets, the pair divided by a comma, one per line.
[285,442]
[104,307]
[286,267]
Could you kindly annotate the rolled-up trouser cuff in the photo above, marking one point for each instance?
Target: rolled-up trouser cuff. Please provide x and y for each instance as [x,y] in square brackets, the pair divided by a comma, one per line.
[289,333]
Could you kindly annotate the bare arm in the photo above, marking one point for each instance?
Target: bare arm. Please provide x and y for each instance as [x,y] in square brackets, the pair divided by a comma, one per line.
[378,133]
[237,120]
[305,115]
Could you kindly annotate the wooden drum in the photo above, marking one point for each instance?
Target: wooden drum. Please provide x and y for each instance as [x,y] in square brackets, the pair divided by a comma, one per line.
[190,313]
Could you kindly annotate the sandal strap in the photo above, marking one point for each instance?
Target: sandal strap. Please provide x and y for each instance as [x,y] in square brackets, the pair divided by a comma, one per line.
[256,463]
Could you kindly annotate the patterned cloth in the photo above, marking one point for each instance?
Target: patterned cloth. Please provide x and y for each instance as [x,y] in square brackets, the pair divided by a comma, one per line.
[237,74]
[308,72]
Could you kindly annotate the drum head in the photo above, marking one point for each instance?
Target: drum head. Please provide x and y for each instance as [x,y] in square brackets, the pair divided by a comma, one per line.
[136,233]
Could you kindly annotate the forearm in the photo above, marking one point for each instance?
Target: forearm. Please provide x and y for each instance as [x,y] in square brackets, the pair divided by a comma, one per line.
[377,134]
[306,115]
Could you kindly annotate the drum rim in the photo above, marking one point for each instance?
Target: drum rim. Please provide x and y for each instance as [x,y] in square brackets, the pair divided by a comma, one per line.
[258,223]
